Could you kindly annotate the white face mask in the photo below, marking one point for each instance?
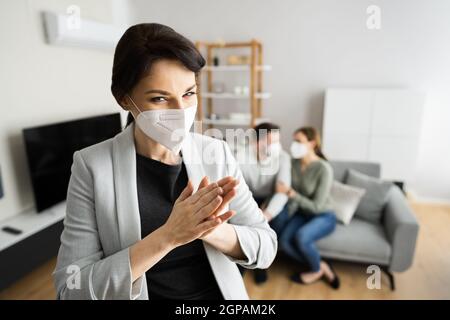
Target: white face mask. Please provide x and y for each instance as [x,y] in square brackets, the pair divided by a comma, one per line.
[298,150]
[270,152]
[274,149]
[272,155]
[168,127]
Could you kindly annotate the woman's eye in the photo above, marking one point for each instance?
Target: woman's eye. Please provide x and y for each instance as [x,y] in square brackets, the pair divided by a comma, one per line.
[189,94]
[158,99]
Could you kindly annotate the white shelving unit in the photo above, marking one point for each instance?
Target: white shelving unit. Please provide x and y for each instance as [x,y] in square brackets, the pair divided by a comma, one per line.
[232,122]
[245,68]
[229,95]
[30,222]
[378,125]
[255,94]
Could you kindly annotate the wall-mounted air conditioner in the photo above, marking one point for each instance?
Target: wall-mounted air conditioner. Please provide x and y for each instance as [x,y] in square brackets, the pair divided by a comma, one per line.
[68,30]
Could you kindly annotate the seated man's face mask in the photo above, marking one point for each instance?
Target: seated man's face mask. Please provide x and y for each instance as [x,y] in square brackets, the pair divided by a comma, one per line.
[168,127]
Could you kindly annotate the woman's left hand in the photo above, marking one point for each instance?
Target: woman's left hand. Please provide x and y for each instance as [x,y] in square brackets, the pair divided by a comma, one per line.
[224,237]
[228,185]
[283,188]
[291,193]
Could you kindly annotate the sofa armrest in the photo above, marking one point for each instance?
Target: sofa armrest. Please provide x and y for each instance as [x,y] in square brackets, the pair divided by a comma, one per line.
[401,228]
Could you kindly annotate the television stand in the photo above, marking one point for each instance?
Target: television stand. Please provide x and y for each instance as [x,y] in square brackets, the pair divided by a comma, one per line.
[27,240]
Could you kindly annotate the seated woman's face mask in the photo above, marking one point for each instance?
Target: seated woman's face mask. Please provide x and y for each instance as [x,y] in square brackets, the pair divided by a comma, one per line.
[168,127]
[298,150]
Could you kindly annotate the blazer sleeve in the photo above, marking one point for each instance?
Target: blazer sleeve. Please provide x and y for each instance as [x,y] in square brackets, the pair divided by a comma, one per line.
[82,270]
[257,240]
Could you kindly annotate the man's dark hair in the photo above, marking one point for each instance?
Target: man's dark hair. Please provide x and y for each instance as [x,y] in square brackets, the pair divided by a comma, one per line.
[265,128]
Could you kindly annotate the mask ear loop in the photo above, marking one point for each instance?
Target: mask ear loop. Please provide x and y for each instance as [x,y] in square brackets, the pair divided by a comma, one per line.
[132,101]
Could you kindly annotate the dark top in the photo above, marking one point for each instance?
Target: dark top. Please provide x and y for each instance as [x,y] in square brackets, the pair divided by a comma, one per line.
[185,272]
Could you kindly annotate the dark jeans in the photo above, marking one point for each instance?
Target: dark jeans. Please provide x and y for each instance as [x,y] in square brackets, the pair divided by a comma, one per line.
[300,233]
[277,224]
[280,221]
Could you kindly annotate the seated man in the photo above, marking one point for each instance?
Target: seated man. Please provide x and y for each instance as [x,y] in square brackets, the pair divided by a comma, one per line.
[263,164]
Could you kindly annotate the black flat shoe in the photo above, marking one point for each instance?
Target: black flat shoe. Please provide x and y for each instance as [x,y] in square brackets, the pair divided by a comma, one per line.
[298,279]
[260,276]
[335,283]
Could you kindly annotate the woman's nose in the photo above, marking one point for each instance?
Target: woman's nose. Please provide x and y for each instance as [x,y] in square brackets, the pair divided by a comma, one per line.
[179,104]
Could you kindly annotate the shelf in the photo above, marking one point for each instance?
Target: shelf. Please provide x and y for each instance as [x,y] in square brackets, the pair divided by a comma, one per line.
[30,222]
[232,122]
[229,95]
[237,68]
[254,68]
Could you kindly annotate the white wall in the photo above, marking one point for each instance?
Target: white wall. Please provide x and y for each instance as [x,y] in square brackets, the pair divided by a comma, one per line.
[40,84]
[311,44]
[315,44]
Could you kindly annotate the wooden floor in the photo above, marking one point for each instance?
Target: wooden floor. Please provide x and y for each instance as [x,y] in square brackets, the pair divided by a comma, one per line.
[428,278]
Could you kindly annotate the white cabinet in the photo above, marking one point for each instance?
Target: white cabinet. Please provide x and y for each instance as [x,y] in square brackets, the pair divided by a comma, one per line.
[30,223]
[378,125]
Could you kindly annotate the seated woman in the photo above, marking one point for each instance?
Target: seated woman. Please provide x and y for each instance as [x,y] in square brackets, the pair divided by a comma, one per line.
[309,208]
[264,164]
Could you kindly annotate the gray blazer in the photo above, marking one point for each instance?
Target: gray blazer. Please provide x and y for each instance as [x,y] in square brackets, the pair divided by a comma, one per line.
[102,221]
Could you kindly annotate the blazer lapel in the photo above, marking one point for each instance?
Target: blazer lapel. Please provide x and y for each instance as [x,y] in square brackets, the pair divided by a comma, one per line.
[192,161]
[125,184]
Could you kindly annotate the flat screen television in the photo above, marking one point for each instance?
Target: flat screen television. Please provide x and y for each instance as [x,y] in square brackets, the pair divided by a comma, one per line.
[50,150]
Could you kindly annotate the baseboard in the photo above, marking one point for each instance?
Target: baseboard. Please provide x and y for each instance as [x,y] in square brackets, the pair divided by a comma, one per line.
[415,197]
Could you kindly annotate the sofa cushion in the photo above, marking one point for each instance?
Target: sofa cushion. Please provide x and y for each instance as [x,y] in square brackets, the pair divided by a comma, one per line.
[360,241]
[344,200]
[340,169]
[374,200]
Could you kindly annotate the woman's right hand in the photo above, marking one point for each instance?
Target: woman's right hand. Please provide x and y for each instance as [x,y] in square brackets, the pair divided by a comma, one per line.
[281,188]
[188,219]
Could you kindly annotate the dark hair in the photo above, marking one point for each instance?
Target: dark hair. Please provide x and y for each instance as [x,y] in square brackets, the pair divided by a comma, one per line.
[313,135]
[264,128]
[141,46]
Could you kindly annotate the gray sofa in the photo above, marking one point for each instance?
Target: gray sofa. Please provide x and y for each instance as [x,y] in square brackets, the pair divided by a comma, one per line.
[389,244]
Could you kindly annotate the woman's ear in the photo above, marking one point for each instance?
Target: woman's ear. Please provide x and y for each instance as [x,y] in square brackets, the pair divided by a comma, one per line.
[313,144]
[125,103]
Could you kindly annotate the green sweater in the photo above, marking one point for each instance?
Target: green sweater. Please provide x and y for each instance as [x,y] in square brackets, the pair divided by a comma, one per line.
[313,187]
